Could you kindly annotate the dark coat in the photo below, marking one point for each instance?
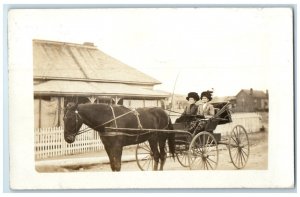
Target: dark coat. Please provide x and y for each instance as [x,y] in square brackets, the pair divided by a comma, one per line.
[190,110]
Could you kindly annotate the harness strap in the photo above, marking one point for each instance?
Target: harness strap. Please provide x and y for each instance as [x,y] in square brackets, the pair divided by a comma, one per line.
[113,112]
[115,118]
[137,115]
[115,133]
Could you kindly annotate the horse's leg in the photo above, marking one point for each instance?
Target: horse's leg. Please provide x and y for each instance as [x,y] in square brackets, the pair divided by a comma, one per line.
[114,152]
[110,156]
[163,155]
[154,149]
[117,156]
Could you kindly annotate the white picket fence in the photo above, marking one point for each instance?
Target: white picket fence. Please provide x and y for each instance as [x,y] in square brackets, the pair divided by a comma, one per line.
[252,122]
[49,142]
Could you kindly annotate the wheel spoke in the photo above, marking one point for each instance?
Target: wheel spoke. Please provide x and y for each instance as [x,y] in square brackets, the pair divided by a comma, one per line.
[211,160]
[210,144]
[147,163]
[206,143]
[205,165]
[236,157]
[202,164]
[182,158]
[143,153]
[239,132]
[239,146]
[144,156]
[145,148]
[247,154]
[235,131]
[204,152]
[243,158]
[234,139]
[207,161]
[211,149]
[235,152]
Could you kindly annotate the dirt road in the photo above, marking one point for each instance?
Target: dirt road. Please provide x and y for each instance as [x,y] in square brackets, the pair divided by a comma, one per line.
[258,159]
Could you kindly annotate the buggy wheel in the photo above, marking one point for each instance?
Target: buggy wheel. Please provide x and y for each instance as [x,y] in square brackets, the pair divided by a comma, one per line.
[144,156]
[182,155]
[203,152]
[239,149]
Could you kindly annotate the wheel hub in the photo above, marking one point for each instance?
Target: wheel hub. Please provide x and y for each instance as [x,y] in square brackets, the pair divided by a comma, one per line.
[204,156]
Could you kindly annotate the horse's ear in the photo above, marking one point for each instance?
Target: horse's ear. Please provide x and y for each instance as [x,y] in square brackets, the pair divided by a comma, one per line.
[71,105]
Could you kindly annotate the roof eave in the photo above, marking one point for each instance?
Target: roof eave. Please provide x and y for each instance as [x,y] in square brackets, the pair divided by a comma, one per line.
[50,93]
[95,80]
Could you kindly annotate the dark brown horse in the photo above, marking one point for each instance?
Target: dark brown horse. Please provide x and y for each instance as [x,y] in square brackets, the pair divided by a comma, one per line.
[100,116]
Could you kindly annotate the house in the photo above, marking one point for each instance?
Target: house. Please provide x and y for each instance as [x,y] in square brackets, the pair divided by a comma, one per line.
[252,100]
[81,73]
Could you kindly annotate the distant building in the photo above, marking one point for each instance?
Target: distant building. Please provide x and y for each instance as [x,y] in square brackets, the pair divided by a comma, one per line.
[251,101]
[81,73]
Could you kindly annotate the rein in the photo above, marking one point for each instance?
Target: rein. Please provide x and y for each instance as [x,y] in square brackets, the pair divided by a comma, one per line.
[173,111]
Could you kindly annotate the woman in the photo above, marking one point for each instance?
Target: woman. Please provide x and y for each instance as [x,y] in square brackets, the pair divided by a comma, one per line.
[205,111]
[192,108]
[205,108]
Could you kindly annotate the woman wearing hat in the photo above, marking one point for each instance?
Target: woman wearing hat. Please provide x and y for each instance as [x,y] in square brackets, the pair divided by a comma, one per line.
[205,108]
[192,108]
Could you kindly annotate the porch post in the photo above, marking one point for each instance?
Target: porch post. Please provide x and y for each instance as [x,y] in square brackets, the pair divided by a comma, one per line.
[59,111]
[40,111]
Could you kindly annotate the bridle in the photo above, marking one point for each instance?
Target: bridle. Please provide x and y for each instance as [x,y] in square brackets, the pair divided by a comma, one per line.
[77,116]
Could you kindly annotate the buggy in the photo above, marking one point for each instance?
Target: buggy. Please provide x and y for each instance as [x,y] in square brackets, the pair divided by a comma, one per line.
[199,150]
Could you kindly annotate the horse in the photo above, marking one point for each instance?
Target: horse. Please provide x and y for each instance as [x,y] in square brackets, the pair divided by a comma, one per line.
[101,116]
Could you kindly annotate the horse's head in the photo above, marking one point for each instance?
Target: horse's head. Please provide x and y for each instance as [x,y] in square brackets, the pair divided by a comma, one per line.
[72,122]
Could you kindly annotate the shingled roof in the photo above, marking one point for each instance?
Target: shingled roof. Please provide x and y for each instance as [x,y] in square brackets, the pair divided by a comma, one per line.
[85,62]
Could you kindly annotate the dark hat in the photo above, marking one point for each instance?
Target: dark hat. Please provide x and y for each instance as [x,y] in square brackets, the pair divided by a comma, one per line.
[193,95]
[207,94]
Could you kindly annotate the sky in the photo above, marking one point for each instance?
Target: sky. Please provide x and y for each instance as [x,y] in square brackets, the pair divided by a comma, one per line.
[224,49]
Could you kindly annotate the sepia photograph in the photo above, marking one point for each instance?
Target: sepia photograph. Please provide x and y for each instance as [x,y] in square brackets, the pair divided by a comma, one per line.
[177,95]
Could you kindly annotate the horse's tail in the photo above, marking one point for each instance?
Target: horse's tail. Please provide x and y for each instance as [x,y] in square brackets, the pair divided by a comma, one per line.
[171,139]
